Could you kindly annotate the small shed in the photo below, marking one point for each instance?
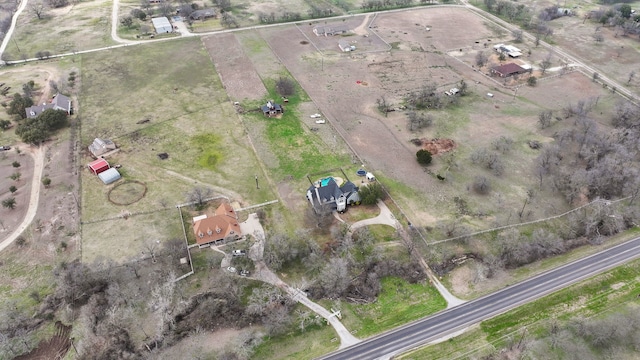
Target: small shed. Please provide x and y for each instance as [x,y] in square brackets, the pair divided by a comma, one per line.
[370,177]
[109,176]
[101,146]
[98,166]
[162,25]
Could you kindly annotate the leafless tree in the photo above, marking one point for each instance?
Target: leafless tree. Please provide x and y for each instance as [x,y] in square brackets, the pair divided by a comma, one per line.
[334,278]
[38,8]
[544,119]
[285,86]
[517,35]
[503,144]
[481,58]
[546,63]
[481,185]
[199,196]
[632,74]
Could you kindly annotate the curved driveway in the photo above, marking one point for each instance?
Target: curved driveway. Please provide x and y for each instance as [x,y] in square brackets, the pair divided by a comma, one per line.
[461,317]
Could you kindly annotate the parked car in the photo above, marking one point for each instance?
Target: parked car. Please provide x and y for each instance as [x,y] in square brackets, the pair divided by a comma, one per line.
[231,269]
[321,121]
[244,273]
[5,148]
[239,253]
[315,116]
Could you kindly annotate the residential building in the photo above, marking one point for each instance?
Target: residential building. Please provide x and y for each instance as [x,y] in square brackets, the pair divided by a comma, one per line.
[59,102]
[217,229]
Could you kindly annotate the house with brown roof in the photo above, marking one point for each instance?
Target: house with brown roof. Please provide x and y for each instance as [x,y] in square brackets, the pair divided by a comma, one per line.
[322,30]
[507,70]
[220,228]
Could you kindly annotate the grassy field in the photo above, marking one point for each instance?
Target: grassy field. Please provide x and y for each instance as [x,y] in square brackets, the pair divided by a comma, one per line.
[398,303]
[313,342]
[189,118]
[605,292]
[83,26]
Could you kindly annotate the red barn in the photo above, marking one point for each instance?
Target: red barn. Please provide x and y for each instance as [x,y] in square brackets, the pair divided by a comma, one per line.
[98,166]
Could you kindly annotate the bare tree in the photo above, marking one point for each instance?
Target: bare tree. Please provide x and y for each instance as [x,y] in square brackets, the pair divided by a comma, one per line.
[517,35]
[334,278]
[546,63]
[481,58]
[199,196]
[38,8]
[481,185]
[544,119]
[632,74]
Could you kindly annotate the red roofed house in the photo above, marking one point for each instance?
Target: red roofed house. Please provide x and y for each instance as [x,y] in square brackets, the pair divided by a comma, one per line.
[98,166]
[507,70]
[217,229]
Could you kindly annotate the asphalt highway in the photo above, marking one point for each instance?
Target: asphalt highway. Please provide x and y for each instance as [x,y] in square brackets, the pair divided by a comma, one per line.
[460,317]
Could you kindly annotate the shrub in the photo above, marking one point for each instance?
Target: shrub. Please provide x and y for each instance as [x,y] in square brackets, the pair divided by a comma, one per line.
[371,193]
[424,157]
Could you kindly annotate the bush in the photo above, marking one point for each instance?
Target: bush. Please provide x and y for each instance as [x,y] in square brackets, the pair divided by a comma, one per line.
[424,157]
[285,86]
[532,81]
[138,14]
[481,185]
[371,193]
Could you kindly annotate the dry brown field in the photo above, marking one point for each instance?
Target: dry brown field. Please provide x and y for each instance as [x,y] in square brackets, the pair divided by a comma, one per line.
[345,86]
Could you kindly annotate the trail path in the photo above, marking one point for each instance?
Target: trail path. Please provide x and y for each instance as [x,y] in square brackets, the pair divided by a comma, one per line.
[14,20]
[38,167]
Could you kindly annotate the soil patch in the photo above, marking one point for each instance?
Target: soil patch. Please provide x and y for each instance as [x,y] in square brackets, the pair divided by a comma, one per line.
[54,348]
[127,193]
[438,146]
[238,75]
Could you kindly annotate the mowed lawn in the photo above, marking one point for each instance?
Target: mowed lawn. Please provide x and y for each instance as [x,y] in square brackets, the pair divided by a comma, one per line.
[175,87]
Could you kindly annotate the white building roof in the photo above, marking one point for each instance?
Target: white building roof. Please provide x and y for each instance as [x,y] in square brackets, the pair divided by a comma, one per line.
[109,176]
[162,24]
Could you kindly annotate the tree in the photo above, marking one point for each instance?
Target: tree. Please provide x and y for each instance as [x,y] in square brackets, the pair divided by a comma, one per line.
[424,157]
[166,8]
[15,164]
[545,63]
[126,21]
[517,35]
[38,8]
[199,196]
[417,121]
[227,20]
[46,181]
[9,203]
[27,89]
[481,185]
[502,57]
[625,11]
[544,119]
[371,193]
[18,105]
[532,81]
[334,278]
[139,14]
[57,3]
[285,86]
[382,105]
[5,124]
[13,189]
[15,176]
[224,5]
[38,129]
[481,58]
[632,74]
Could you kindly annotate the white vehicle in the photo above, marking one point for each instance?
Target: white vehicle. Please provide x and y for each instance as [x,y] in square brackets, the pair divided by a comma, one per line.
[244,273]
[239,253]
[231,269]
[314,116]
[321,121]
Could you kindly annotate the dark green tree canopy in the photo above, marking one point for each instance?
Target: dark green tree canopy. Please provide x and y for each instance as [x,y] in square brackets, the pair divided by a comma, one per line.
[38,129]
[424,157]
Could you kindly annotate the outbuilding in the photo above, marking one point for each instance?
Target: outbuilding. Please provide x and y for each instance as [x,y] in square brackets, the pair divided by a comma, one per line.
[162,25]
[109,176]
[370,177]
[98,166]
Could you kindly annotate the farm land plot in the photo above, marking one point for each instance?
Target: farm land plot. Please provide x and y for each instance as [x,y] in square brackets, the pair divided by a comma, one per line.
[190,119]
[383,142]
[83,26]
[12,218]
[359,35]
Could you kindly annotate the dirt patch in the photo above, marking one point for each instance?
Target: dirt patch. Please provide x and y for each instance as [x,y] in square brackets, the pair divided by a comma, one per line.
[438,146]
[238,75]
[127,193]
[54,348]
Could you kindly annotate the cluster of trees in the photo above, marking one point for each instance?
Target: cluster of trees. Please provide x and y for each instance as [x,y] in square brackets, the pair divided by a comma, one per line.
[285,16]
[512,11]
[620,17]
[586,162]
[385,4]
[428,97]
[418,120]
[38,129]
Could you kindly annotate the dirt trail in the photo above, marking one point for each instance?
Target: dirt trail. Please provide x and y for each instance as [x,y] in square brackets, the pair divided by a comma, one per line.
[38,167]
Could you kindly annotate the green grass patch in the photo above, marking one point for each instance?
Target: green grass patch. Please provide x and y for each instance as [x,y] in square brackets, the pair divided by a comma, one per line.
[383,233]
[313,342]
[209,145]
[399,303]
[610,291]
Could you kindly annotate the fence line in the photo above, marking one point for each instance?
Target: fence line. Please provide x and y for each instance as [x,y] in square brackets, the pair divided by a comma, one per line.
[258,205]
[606,202]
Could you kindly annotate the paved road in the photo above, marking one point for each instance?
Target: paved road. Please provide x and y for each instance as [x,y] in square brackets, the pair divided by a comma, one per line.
[458,318]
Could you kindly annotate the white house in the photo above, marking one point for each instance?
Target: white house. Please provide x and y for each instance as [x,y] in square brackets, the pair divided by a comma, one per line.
[162,25]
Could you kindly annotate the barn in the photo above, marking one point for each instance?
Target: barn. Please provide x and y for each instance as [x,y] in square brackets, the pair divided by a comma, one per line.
[109,176]
[98,166]
[162,25]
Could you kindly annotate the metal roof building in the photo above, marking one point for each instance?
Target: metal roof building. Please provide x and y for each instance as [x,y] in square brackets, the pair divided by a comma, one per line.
[162,25]
[109,176]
